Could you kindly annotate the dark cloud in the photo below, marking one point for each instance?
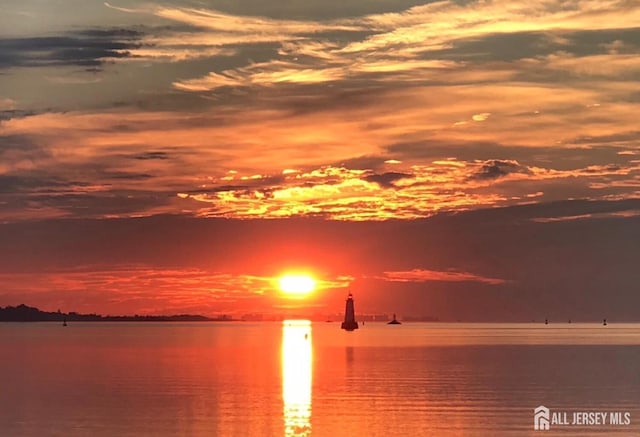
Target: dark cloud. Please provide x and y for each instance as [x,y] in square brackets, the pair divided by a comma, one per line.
[114,33]
[497,168]
[631,97]
[151,155]
[15,113]
[81,204]
[362,163]
[590,42]
[127,176]
[21,148]
[89,48]
[16,143]
[387,179]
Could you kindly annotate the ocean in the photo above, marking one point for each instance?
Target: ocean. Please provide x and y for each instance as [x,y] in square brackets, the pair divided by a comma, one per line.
[297,378]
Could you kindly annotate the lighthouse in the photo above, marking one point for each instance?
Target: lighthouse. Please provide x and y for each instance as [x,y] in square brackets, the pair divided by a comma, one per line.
[349,323]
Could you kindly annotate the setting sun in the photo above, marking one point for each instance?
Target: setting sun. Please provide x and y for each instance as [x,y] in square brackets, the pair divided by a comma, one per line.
[297,284]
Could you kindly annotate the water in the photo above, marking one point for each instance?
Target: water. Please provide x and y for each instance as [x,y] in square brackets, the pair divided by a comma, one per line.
[298,378]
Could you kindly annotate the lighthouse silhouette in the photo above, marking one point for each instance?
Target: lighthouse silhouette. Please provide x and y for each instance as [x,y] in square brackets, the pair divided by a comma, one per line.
[349,323]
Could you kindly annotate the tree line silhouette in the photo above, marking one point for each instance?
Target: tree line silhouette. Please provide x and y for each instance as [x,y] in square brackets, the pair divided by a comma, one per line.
[24,313]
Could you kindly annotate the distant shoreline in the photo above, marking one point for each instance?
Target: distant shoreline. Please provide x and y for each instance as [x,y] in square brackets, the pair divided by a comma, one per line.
[124,319]
[23,313]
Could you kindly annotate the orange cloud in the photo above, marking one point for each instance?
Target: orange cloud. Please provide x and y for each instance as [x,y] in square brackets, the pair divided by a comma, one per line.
[191,174]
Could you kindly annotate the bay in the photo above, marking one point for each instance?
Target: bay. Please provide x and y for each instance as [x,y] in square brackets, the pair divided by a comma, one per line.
[302,378]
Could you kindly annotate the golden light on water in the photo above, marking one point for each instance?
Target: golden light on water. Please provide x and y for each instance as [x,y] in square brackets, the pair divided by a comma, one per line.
[297,357]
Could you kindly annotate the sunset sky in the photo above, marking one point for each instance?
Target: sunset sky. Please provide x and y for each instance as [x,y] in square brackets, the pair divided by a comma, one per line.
[473,160]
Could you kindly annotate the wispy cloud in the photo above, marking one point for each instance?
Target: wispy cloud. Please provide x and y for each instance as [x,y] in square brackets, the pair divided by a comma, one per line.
[218,21]
[601,215]
[398,44]
[421,275]
[263,74]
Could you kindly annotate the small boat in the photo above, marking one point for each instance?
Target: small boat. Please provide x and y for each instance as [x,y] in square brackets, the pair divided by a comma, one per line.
[394,321]
[604,322]
[349,323]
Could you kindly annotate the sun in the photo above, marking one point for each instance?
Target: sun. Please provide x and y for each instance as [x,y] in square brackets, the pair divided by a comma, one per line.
[296,285]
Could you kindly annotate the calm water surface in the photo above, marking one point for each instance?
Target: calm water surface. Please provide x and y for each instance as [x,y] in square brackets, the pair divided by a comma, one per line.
[298,378]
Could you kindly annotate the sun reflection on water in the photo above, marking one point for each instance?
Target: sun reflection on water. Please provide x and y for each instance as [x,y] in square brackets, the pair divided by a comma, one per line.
[296,377]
